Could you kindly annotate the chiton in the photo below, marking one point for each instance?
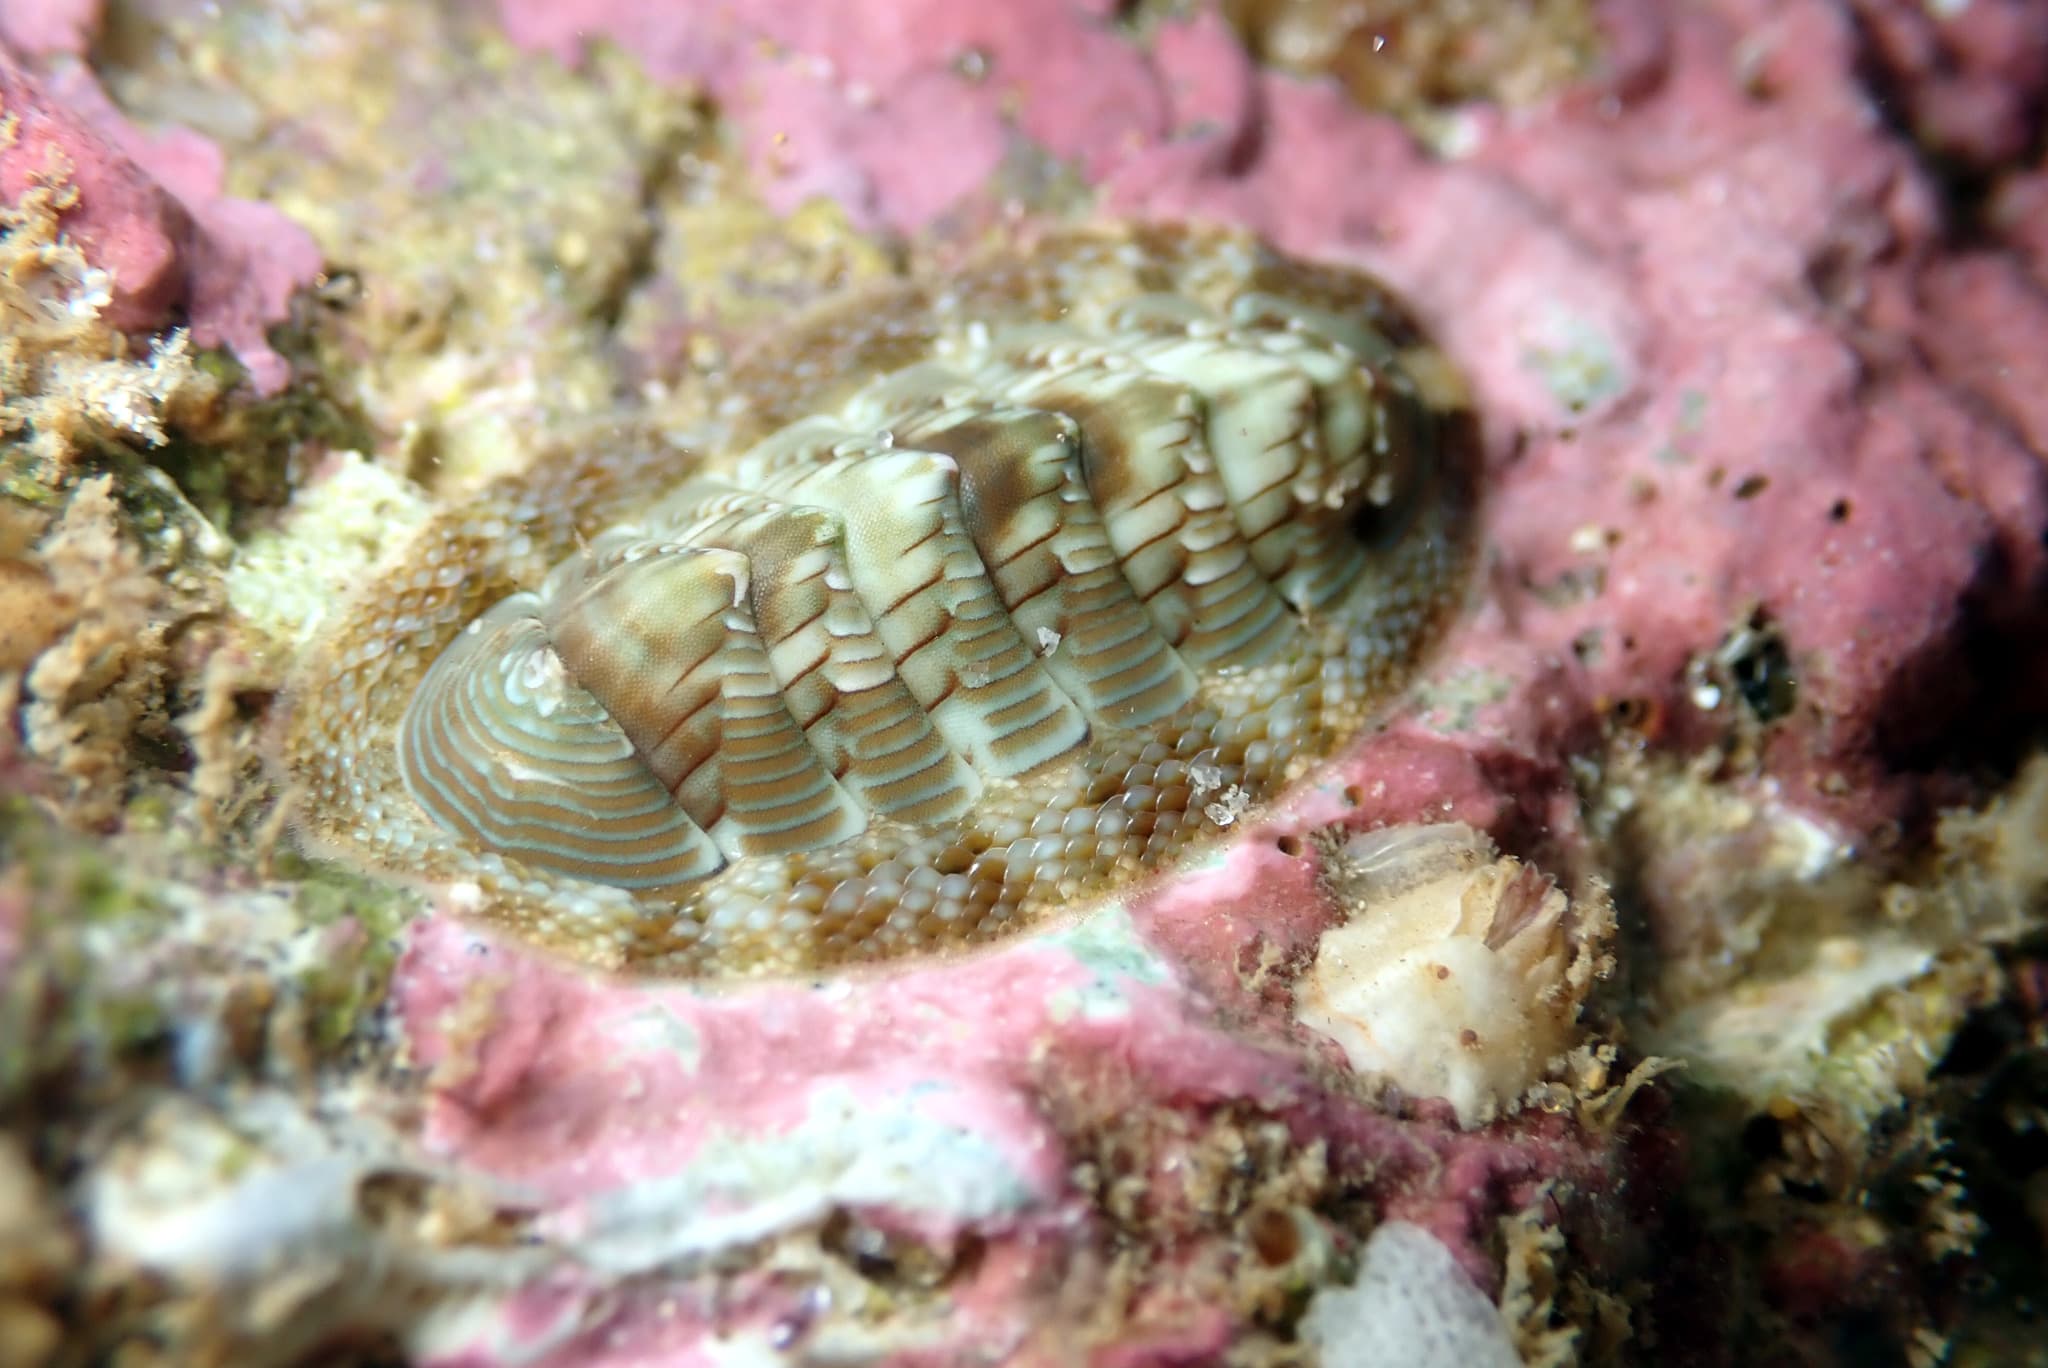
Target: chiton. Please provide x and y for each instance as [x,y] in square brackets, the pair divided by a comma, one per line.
[974,596]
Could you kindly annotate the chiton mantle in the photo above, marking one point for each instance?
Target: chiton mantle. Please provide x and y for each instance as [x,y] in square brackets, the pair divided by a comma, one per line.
[974,597]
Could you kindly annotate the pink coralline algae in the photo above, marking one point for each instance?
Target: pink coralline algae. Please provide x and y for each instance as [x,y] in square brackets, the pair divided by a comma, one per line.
[1764,486]
[1972,77]
[37,28]
[1686,294]
[949,1105]
[898,111]
[1739,480]
[1695,308]
[1693,305]
[131,225]
[178,250]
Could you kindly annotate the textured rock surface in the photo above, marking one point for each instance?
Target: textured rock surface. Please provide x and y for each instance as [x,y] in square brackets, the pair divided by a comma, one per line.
[132,227]
[1765,505]
[1971,76]
[1697,314]
[150,211]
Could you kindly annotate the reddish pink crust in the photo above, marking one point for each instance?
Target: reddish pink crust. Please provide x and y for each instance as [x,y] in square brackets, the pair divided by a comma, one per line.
[1971,82]
[1768,281]
[2019,213]
[561,1084]
[41,28]
[1791,396]
[903,111]
[127,224]
[179,251]
[896,110]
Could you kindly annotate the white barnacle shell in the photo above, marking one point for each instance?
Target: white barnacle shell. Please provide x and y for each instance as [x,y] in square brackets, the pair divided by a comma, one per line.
[1458,973]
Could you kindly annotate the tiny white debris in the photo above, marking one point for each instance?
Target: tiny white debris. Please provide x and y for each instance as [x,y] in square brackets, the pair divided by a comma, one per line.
[1589,540]
[1456,137]
[95,292]
[1205,778]
[1233,805]
[1048,641]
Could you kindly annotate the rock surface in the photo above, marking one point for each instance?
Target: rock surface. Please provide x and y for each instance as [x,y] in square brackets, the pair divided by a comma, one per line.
[179,251]
[1763,614]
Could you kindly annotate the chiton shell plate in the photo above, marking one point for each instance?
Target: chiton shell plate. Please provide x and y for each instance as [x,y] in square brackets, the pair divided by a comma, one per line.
[972,598]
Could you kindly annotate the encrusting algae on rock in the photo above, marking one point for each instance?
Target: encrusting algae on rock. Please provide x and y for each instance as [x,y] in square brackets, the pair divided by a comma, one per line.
[68,382]
[1415,57]
[1762,474]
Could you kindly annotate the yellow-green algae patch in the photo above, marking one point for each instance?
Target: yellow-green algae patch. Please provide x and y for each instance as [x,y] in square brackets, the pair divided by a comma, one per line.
[484,214]
[1416,59]
[723,265]
[141,955]
[290,579]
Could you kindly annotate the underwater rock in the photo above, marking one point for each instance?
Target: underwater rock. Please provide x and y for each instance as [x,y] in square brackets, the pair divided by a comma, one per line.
[1686,307]
[1758,497]
[1066,1108]
[131,227]
[1694,326]
[887,108]
[1972,74]
[175,247]
[37,28]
